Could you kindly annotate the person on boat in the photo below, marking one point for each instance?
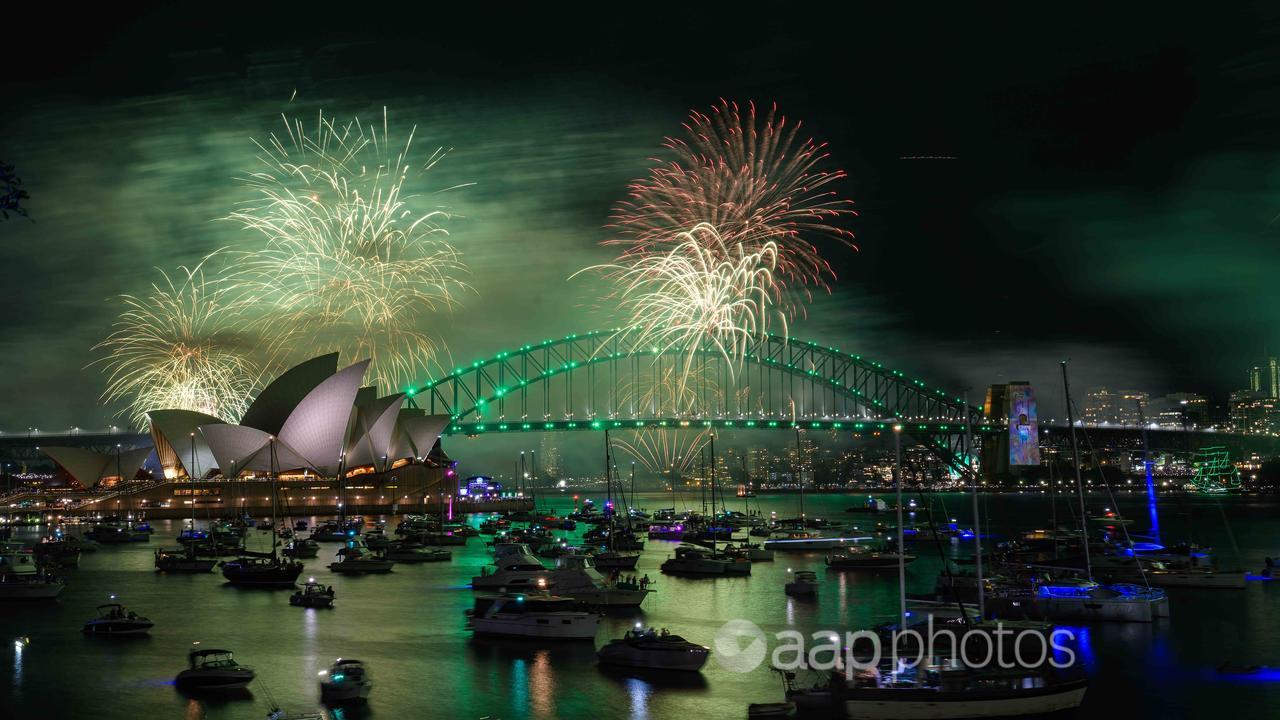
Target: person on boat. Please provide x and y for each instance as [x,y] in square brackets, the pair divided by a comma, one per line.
[644,582]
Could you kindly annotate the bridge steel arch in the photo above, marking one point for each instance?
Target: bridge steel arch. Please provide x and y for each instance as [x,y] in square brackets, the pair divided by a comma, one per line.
[601,379]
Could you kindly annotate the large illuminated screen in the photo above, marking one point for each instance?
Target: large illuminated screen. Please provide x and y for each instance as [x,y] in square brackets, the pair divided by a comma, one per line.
[1024,438]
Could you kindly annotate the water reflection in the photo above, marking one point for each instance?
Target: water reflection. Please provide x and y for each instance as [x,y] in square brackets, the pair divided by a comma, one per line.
[653,680]
[542,685]
[638,692]
[19,646]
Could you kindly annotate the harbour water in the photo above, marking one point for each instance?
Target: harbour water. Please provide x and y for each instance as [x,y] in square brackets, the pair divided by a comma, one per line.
[408,627]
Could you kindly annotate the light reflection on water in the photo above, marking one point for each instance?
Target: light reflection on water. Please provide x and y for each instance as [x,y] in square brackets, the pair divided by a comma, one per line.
[408,627]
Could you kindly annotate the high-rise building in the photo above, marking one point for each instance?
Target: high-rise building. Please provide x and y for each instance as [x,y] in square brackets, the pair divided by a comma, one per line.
[1099,406]
[1131,407]
[1265,379]
[1254,413]
[1114,407]
[549,457]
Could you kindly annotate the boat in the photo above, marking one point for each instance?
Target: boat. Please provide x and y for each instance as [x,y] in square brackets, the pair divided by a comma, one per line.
[301,549]
[58,550]
[861,558]
[329,532]
[805,541]
[313,595]
[117,533]
[940,691]
[1158,573]
[670,530]
[804,583]
[515,569]
[440,537]
[405,552]
[345,681]
[30,587]
[1068,599]
[871,505]
[261,571]
[699,561]
[182,560]
[356,559]
[16,559]
[616,560]
[376,539]
[576,576]
[211,670]
[531,616]
[253,569]
[768,711]
[654,650]
[751,551]
[116,620]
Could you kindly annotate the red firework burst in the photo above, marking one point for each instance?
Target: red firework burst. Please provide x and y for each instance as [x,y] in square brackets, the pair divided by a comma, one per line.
[754,178]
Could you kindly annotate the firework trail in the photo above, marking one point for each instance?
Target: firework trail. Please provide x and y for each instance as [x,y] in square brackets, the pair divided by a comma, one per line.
[665,452]
[700,296]
[658,391]
[351,262]
[182,346]
[754,178]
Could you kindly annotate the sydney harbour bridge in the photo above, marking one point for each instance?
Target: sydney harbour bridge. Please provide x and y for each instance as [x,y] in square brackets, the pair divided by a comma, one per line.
[604,380]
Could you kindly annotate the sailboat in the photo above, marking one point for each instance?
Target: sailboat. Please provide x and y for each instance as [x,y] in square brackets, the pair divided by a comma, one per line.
[626,555]
[113,530]
[1087,599]
[264,569]
[185,559]
[697,560]
[934,689]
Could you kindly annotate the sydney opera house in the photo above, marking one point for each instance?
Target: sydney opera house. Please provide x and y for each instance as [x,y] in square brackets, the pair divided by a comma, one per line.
[328,439]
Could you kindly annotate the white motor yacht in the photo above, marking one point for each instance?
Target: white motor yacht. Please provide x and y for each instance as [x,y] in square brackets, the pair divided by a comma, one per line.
[345,681]
[576,576]
[515,568]
[531,616]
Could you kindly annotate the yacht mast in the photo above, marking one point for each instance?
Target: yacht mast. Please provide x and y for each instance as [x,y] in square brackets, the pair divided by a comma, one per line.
[714,531]
[799,469]
[902,549]
[273,499]
[608,488]
[977,531]
[1075,460]
[193,491]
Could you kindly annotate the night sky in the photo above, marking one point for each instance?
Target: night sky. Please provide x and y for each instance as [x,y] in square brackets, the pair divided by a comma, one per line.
[1109,192]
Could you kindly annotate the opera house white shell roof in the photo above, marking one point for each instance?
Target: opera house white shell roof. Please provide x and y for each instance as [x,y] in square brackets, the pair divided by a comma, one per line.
[313,417]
